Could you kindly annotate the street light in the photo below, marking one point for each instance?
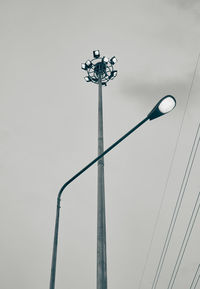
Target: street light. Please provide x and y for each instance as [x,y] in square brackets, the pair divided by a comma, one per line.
[165,105]
[100,71]
[168,102]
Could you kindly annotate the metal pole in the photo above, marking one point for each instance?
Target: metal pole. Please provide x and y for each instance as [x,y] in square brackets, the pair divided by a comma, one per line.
[55,245]
[101,222]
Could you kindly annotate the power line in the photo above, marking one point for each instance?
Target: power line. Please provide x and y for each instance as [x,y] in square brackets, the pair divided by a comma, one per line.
[197,282]
[168,176]
[185,242]
[181,193]
[195,279]
[177,208]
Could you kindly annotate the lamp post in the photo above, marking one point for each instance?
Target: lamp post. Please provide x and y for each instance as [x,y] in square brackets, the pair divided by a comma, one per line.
[100,71]
[165,105]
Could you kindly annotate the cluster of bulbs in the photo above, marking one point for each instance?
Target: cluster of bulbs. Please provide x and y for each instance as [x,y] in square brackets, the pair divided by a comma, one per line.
[90,65]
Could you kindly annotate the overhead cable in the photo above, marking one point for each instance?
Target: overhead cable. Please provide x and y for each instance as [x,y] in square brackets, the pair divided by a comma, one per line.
[177,207]
[196,278]
[185,242]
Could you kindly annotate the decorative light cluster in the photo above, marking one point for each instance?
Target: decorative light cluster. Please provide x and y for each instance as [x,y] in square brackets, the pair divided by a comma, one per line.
[99,68]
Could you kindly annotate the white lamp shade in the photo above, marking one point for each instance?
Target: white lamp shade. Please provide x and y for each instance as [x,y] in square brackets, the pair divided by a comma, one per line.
[167,104]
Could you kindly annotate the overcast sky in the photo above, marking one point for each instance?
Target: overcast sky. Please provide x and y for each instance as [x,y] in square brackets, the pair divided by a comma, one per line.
[48,131]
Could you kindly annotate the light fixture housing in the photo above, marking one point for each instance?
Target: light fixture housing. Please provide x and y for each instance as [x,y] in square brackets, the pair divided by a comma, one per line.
[165,105]
[88,64]
[113,60]
[87,78]
[83,66]
[99,66]
[96,53]
[113,74]
[105,59]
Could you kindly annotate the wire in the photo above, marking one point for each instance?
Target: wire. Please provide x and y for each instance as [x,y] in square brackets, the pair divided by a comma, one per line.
[167,179]
[193,281]
[177,208]
[185,242]
[197,282]
[174,217]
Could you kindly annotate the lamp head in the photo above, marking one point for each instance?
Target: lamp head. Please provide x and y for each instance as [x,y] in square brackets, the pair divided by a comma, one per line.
[83,66]
[88,64]
[87,78]
[113,60]
[105,59]
[113,74]
[96,53]
[165,105]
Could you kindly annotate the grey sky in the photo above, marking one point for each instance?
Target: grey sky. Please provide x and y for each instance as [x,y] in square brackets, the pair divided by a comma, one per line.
[186,4]
[48,131]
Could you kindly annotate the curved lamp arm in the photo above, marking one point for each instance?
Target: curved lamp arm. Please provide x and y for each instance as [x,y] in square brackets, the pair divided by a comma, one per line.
[100,156]
[55,242]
